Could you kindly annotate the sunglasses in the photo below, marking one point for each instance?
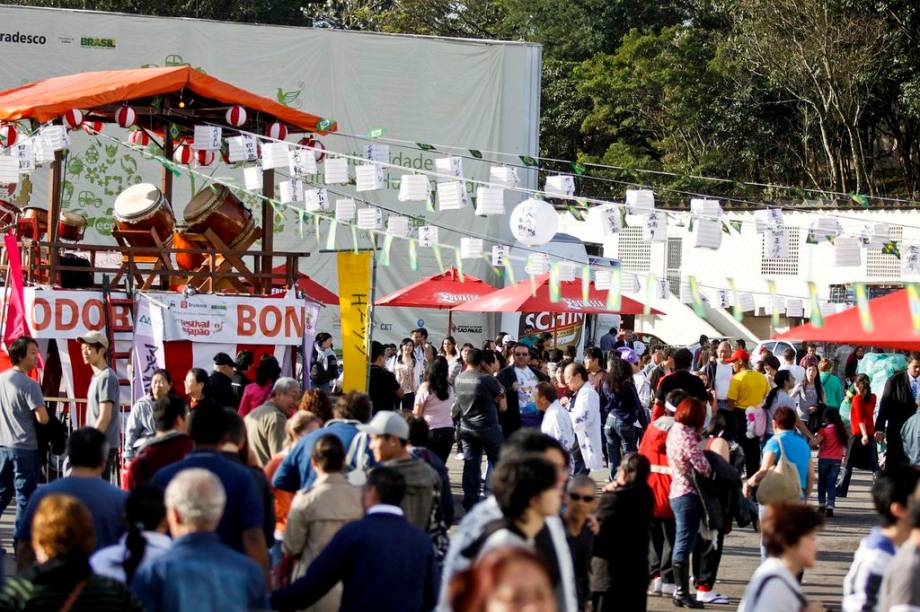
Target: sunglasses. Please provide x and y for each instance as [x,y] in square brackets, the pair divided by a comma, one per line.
[585,498]
[522,354]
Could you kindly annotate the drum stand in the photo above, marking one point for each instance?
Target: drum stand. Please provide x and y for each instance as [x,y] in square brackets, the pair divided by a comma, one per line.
[221,260]
[162,265]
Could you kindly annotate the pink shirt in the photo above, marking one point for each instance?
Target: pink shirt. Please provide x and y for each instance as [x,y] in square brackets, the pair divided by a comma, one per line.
[437,411]
[253,397]
[832,446]
[685,455]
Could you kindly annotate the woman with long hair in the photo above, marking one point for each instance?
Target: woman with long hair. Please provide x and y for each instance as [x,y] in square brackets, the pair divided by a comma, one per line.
[255,394]
[450,352]
[861,452]
[406,369]
[146,536]
[316,401]
[778,397]
[324,366]
[810,395]
[433,402]
[897,404]
[625,414]
[140,426]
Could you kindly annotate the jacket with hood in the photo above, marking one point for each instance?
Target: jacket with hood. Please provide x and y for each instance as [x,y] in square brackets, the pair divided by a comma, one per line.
[654,448]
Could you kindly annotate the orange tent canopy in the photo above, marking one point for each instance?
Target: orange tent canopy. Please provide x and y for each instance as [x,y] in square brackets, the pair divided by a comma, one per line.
[51,98]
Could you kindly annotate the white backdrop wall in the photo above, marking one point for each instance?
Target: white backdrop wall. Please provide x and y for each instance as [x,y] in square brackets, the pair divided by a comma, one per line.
[484,95]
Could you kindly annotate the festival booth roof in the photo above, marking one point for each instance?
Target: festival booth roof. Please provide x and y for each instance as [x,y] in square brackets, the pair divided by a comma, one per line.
[104,92]
[310,287]
[534,296]
[891,322]
[444,290]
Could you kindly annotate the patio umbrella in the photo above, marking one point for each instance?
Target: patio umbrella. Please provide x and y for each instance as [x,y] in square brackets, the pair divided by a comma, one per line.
[439,291]
[534,297]
[891,325]
[310,287]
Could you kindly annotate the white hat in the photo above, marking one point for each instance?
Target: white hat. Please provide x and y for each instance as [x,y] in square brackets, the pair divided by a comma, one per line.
[387,423]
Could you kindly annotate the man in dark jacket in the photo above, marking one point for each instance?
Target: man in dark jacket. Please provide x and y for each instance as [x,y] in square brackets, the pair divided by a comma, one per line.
[520,381]
[382,561]
[220,385]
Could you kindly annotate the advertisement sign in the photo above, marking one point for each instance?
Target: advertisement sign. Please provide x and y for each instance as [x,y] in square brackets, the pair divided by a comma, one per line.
[354,301]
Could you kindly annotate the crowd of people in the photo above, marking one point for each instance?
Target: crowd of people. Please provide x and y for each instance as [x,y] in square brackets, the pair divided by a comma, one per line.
[589,482]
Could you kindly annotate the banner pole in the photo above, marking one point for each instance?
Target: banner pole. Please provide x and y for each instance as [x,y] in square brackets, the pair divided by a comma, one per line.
[370,312]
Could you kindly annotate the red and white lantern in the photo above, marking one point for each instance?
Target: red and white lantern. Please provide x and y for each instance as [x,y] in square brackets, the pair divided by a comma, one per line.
[73,119]
[125,116]
[7,135]
[276,130]
[205,158]
[183,154]
[236,116]
[139,138]
[92,127]
[319,149]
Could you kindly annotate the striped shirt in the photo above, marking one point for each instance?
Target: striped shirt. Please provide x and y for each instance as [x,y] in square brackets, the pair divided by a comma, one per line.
[98,595]
[863,581]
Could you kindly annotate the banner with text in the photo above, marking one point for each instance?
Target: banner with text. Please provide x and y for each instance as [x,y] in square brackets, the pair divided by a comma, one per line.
[354,301]
[68,314]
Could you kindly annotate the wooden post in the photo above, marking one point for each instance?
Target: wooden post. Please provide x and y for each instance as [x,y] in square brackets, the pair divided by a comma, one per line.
[268,223]
[166,175]
[54,213]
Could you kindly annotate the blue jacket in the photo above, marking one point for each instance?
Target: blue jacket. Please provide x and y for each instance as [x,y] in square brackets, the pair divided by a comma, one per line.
[199,574]
[384,563]
[295,472]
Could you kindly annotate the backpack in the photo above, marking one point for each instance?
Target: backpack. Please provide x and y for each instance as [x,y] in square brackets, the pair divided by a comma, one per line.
[356,462]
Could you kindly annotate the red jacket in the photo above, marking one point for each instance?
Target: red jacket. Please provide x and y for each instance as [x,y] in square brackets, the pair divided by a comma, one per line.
[654,448]
[157,453]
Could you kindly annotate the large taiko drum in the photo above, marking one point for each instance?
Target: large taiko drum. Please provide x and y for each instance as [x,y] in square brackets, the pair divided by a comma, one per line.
[31,220]
[143,207]
[218,209]
[8,213]
[188,261]
[71,226]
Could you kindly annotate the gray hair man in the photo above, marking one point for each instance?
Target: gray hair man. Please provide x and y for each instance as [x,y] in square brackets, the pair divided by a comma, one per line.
[198,567]
[265,424]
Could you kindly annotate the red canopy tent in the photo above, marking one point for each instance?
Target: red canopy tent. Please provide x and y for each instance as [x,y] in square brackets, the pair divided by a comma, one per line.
[522,298]
[310,287]
[440,291]
[891,325]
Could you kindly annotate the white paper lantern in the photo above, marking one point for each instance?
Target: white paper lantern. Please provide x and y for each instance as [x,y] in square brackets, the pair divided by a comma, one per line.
[9,170]
[451,195]
[471,248]
[655,228]
[428,235]
[316,200]
[369,177]
[746,301]
[795,308]
[629,282]
[705,209]
[55,136]
[823,228]
[537,263]
[398,225]
[274,155]
[685,295]
[503,176]
[776,243]
[534,222]
[559,186]
[377,152]
[607,217]
[847,252]
[640,201]
[243,148]
[910,259]
[252,178]
[769,219]
[335,171]
[874,235]
[490,201]
[291,191]
[779,304]
[206,138]
[370,218]
[708,234]
[568,271]
[301,162]
[449,166]
[663,289]
[602,280]
[345,209]
[414,188]
[499,255]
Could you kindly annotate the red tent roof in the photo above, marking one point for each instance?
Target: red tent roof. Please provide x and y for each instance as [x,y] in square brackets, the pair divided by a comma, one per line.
[521,298]
[444,290]
[309,286]
[891,321]
[51,98]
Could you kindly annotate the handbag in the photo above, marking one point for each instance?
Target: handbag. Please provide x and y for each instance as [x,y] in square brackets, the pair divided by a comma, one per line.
[782,482]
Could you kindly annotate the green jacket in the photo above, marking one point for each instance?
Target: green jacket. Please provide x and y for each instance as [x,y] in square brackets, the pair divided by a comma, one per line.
[833,389]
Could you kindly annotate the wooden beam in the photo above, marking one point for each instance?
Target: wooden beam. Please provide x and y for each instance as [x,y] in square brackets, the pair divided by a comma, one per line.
[166,175]
[54,213]
[268,228]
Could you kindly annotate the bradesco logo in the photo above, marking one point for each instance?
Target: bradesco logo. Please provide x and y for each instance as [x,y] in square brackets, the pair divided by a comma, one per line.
[20,38]
[97,43]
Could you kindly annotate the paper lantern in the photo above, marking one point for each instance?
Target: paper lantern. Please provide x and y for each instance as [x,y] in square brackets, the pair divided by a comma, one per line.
[602,280]
[705,209]
[316,200]
[795,308]
[471,248]
[846,252]
[242,148]
[685,295]
[398,225]
[503,176]
[655,228]
[335,171]
[560,186]
[345,209]
[9,170]
[708,234]
[370,218]
[451,195]
[823,228]
[7,135]
[499,255]
[640,201]
[746,302]
[607,217]
[205,158]
[183,154]
[276,130]
[568,271]
[769,219]
[236,116]
[73,119]
[449,166]
[139,138]
[291,191]
[318,148]
[301,162]
[874,235]
[252,178]
[377,152]
[55,137]
[537,263]
[629,282]
[428,235]
[125,116]
[207,138]
[92,127]
[776,243]
[490,201]
[369,177]
[910,259]
[534,222]
[414,188]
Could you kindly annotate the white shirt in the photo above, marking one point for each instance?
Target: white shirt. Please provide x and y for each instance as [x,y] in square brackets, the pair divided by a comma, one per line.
[724,373]
[586,421]
[781,593]
[643,388]
[797,371]
[527,383]
[109,561]
[385,509]
[558,424]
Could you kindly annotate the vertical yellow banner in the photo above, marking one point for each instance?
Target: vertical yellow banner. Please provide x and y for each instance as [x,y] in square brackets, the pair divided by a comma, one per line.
[354,301]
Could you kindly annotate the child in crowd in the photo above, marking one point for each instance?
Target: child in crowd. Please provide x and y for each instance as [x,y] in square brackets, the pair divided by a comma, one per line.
[832,440]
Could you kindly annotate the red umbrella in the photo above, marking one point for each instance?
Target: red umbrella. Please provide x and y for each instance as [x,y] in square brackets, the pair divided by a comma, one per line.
[306,284]
[891,322]
[522,298]
[444,290]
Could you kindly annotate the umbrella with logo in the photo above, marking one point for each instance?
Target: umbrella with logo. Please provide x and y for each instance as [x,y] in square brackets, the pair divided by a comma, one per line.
[439,291]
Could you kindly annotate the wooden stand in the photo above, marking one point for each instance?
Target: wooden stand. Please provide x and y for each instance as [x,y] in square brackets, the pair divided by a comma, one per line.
[161,264]
[220,259]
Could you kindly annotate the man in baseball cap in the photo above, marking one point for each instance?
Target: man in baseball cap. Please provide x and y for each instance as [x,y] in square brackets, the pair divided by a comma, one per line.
[96,338]
[102,398]
[389,434]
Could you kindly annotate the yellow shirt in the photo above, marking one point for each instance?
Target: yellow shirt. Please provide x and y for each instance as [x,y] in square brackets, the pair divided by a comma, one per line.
[748,388]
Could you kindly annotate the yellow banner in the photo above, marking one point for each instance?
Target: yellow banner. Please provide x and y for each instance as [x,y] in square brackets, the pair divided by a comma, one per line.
[354,301]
